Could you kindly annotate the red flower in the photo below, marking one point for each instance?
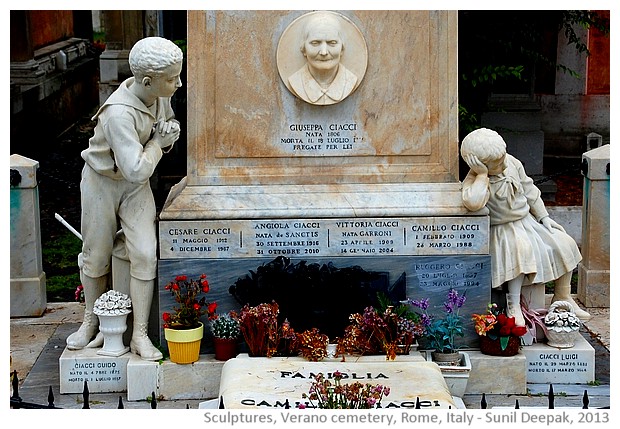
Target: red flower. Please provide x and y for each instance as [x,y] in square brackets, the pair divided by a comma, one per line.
[212,307]
[510,322]
[501,319]
[519,330]
[504,330]
[186,292]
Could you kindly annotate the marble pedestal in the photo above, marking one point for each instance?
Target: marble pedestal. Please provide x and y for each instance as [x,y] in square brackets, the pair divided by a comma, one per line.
[201,380]
[549,365]
[27,286]
[103,374]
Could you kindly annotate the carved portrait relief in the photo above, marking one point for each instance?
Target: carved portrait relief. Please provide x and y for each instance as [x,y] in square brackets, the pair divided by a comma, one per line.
[322,57]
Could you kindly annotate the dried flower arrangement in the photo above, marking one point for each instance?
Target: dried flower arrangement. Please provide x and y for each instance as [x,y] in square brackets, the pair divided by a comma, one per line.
[343,396]
[390,331]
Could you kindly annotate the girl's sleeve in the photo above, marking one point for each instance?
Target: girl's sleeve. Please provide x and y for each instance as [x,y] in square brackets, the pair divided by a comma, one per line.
[475,193]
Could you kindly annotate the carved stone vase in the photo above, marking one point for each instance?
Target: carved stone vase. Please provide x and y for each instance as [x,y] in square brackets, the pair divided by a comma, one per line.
[184,344]
[113,326]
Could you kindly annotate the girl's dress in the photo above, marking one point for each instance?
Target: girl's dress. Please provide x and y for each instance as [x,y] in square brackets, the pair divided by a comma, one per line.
[519,243]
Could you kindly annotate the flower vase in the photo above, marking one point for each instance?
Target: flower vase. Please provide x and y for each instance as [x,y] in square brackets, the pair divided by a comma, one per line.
[225,348]
[493,347]
[184,344]
[113,326]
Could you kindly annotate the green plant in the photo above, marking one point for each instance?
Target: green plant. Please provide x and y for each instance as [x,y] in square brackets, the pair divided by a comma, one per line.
[186,293]
[226,326]
[440,332]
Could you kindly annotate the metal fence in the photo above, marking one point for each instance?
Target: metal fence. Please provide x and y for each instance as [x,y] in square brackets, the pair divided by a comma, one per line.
[17,402]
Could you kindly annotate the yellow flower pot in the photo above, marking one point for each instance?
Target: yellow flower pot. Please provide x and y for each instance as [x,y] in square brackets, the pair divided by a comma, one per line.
[184,345]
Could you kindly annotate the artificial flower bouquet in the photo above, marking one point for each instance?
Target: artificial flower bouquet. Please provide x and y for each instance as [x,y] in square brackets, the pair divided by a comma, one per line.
[191,305]
[441,332]
[498,333]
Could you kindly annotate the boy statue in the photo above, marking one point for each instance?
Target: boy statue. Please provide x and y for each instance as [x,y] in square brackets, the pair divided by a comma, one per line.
[135,126]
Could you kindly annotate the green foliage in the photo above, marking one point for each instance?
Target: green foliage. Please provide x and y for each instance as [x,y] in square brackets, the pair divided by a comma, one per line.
[440,335]
[61,268]
[400,310]
[490,73]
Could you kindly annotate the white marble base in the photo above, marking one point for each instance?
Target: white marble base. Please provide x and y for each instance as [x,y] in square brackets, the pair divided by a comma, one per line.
[547,364]
[457,377]
[103,374]
[496,374]
[171,381]
[336,200]
[113,353]
[201,380]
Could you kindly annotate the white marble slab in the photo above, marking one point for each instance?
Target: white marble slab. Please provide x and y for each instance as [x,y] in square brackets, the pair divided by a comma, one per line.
[324,237]
[547,364]
[103,374]
[266,383]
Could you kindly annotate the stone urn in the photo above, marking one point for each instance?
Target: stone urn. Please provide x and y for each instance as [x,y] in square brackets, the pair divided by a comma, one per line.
[112,309]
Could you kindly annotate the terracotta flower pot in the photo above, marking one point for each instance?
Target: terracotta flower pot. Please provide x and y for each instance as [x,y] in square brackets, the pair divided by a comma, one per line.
[184,344]
[493,347]
[225,348]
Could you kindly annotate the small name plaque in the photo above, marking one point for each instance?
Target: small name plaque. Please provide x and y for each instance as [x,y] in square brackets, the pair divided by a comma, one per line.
[547,364]
[103,374]
[324,237]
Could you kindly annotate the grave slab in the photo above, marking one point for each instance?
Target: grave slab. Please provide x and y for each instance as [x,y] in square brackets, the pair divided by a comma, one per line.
[266,383]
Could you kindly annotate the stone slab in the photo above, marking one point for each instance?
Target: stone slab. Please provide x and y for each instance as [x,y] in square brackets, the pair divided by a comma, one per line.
[265,383]
[28,296]
[593,286]
[171,381]
[191,202]
[497,375]
[102,373]
[399,277]
[570,217]
[332,237]
[547,364]
[248,128]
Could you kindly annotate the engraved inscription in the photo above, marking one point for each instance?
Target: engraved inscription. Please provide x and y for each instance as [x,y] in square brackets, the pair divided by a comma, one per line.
[324,237]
